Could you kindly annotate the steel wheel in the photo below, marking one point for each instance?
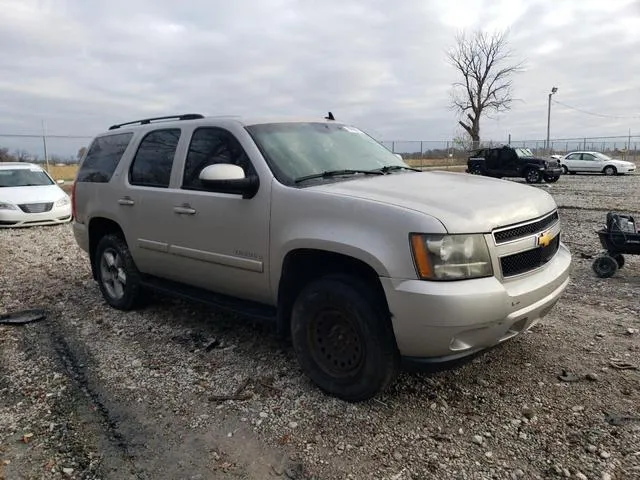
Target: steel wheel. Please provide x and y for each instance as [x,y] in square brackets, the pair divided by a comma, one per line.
[112,273]
[335,343]
[610,171]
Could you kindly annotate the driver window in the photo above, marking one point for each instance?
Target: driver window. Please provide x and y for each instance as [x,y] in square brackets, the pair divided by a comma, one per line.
[574,156]
[588,156]
[211,145]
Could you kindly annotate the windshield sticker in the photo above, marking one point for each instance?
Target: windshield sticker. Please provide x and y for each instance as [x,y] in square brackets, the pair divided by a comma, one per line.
[352,130]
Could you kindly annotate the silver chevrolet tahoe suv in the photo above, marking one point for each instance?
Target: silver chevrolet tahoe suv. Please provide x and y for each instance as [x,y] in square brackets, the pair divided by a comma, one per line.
[312,224]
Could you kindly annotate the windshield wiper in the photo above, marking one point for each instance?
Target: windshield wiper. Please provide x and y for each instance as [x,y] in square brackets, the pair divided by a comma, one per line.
[393,168]
[335,173]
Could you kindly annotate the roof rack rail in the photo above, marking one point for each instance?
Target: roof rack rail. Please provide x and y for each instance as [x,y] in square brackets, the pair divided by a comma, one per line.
[146,121]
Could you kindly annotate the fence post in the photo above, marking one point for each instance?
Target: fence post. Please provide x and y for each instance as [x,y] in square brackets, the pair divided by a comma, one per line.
[393,146]
[584,144]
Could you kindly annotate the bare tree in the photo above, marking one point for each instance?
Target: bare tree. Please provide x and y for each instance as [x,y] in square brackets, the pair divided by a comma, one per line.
[22,155]
[486,66]
[5,156]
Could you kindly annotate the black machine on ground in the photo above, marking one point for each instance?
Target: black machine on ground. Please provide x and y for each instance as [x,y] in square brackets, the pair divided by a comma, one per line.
[620,237]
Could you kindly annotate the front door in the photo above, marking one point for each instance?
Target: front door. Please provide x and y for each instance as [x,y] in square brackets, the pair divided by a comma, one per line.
[219,241]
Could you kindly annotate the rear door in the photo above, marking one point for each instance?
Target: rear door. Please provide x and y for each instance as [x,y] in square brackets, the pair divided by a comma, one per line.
[492,157]
[145,205]
[573,162]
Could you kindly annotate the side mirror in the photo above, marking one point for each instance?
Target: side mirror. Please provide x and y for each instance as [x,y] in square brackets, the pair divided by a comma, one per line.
[60,182]
[228,178]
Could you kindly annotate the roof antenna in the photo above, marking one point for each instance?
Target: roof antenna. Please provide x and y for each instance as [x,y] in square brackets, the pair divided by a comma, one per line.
[329,117]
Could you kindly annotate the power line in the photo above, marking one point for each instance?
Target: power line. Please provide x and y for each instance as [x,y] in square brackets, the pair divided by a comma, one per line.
[19,135]
[593,113]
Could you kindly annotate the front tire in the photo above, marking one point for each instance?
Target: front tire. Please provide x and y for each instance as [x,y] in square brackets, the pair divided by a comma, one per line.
[342,335]
[605,266]
[565,170]
[533,176]
[610,171]
[118,276]
[551,179]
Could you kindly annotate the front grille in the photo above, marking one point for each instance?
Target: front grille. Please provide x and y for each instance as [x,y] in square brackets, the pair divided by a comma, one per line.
[530,260]
[524,230]
[36,207]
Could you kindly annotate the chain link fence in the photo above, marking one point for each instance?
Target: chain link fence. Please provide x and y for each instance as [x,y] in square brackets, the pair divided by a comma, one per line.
[425,153]
[66,149]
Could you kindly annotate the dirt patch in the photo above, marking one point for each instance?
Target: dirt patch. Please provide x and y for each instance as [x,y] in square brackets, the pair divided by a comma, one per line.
[130,395]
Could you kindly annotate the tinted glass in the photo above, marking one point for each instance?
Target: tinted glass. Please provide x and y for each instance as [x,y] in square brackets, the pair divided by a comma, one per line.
[588,156]
[208,147]
[152,164]
[103,158]
[23,177]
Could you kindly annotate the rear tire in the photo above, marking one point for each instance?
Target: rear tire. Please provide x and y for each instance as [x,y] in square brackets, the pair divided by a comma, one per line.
[605,266]
[342,335]
[475,170]
[118,276]
[610,171]
[532,175]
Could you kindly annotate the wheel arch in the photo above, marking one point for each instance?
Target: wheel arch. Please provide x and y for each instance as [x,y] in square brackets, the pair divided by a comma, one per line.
[302,265]
[98,228]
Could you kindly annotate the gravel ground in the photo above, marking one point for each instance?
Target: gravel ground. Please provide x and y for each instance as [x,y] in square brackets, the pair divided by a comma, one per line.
[95,393]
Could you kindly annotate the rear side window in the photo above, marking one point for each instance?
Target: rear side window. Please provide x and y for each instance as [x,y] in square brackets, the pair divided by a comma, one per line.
[152,164]
[103,158]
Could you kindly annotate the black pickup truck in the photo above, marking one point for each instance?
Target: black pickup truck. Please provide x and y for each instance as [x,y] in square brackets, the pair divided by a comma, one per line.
[507,161]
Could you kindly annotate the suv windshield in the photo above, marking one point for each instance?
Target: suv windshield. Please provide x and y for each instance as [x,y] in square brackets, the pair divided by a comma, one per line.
[524,152]
[298,150]
[23,177]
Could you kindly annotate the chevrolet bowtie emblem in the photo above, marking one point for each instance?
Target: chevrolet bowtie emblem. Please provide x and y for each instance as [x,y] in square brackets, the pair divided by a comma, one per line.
[544,239]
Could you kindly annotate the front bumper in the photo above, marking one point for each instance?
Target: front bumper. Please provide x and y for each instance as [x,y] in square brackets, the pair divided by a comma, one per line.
[18,218]
[553,171]
[449,320]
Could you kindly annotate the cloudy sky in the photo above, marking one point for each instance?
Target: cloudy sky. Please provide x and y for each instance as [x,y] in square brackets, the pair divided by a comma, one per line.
[81,65]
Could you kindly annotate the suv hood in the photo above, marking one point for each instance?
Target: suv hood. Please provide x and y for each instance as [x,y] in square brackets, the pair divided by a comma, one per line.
[39,194]
[463,203]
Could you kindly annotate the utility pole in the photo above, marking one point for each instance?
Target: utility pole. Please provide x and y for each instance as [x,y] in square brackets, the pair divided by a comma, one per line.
[553,90]
[44,144]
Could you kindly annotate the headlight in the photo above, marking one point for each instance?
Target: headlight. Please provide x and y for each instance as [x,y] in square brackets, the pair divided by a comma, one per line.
[7,206]
[64,201]
[450,257]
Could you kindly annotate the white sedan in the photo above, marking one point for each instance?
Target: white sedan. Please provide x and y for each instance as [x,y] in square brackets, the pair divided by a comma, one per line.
[29,197]
[595,162]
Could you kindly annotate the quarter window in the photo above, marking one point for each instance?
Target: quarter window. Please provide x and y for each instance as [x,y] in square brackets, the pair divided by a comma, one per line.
[103,157]
[152,164]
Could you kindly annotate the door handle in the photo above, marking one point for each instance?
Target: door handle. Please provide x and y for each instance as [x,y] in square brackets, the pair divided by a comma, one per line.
[184,210]
[126,201]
